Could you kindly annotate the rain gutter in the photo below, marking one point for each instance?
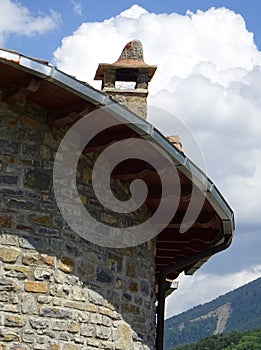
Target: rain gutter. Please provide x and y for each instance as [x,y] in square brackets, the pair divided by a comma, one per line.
[176,267]
[51,73]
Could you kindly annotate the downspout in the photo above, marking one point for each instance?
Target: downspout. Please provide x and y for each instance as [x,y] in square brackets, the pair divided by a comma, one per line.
[175,267]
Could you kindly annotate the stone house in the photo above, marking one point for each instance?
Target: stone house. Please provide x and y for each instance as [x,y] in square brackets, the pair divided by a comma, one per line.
[68,285]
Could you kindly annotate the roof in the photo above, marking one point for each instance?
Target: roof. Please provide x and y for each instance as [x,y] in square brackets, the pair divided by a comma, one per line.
[67,99]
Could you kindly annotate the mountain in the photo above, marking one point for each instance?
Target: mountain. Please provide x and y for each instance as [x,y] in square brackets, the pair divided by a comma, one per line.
[249,340]
[239,310]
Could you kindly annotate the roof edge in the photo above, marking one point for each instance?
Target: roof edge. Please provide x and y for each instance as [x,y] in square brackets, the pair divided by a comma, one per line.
[142,127]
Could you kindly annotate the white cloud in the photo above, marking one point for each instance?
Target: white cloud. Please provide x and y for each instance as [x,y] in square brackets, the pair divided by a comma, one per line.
[17,19]
[133,12]
[209,76]
[77,8]
[203,287]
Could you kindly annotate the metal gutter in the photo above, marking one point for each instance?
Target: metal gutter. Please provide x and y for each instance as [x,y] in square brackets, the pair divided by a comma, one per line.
[175,267]
[51,73]
[142,127]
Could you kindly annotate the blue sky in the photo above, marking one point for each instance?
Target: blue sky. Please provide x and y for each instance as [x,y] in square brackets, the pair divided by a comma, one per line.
[208,76]
[73,13]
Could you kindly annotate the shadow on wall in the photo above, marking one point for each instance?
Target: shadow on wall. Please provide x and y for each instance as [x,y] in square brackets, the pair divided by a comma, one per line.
[58,290]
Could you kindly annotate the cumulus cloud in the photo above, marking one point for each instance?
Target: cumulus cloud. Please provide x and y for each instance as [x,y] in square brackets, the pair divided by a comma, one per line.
[17,19]
[204,287]
[209,77]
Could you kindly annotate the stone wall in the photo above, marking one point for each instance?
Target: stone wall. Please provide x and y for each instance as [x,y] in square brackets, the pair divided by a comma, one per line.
[135,100]
[57,290]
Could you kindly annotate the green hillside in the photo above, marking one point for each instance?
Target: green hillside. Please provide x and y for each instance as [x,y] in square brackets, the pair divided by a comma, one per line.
[250,340]
[239,310]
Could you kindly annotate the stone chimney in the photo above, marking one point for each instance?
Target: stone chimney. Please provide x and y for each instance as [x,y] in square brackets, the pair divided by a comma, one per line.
[127,79]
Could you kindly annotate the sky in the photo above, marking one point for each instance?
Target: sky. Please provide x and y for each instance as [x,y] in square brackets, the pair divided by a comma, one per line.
[208,55]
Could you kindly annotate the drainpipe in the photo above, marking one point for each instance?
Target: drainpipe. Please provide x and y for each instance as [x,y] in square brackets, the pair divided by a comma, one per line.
[175,267]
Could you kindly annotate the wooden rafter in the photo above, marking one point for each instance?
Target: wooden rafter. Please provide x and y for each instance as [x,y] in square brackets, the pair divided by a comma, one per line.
[69,114]
[20,90]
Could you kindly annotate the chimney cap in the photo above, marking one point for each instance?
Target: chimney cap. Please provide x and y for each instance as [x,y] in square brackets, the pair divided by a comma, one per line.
[132,51]
[131,58]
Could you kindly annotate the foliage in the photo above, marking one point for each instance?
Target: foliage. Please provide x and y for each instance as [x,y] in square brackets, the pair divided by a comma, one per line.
[250,340]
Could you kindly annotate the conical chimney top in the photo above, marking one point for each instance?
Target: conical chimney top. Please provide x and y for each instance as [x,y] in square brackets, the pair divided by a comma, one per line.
[132,51]
[130,58]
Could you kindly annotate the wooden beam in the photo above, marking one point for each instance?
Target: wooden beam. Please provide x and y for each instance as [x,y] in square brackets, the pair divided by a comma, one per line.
[98,146]
[21,90]
[172,248]
[140,175]
[204,220]
[200,234]
[207,222]
[69,114]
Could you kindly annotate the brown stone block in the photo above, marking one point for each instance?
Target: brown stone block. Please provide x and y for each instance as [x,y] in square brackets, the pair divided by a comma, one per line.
[131,269]
[105,311]
[24,228]
[54,347]
[66,264]
[49,260]
[70,347]
[36,259]
[125,337]
[38,180]
[129,308]
[124,251]
[10,336]
[40,220]
[94,343]
[87,174]
[4,296]
[31,123]
[91,308]
[11,308]
[12,121]
[107,345]
[73,327]
[133,287]
[35,287]
[5,221]
[45,152]
[75,305]
[21,271]
[9,254]
[14,321]
[108,219]
[20,347]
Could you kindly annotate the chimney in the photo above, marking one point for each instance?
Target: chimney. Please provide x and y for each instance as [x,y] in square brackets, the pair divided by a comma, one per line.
[126,80]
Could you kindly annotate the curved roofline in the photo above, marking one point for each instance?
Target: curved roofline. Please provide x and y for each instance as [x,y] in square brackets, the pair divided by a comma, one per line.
[142,127]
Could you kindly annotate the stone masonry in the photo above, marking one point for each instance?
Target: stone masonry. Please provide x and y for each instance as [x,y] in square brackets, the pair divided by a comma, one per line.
[57,290]
[129,68]
[135,100]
